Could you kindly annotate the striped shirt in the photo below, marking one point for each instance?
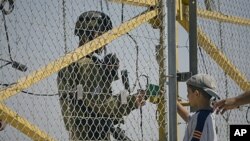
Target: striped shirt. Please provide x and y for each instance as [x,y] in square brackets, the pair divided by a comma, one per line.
[195,123]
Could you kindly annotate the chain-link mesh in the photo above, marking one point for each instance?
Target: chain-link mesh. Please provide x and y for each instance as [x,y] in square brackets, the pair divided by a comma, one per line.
[54,87]
[224,53]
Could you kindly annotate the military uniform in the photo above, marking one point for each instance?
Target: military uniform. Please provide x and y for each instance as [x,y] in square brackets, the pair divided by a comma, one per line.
[90,117]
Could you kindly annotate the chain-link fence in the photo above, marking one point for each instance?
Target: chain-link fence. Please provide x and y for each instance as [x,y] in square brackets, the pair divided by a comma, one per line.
[223,39]
[58,81]
[63,68]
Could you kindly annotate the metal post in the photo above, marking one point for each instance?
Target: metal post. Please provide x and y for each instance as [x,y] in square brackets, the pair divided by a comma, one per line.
[64,27]
[193,37]
[172,70]
[193,40]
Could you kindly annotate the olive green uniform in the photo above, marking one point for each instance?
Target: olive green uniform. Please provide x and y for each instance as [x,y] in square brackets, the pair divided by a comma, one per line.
[90,117]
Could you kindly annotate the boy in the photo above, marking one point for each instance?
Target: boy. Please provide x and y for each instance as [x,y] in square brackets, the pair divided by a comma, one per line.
[201,124]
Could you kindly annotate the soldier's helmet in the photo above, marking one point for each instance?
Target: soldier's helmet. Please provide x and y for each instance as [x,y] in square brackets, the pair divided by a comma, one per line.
[91,22]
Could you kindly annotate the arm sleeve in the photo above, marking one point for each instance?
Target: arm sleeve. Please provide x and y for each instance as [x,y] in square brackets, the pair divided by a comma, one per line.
[65,88]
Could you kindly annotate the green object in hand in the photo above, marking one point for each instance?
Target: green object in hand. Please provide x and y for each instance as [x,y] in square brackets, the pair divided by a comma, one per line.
[152,90]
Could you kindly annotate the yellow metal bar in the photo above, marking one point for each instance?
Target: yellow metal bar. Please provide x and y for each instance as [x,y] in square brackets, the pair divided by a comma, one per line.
[185,2]
[161,107]
[222,17]
[146,3]
[219,57]
[222,60]
[23,125]
[179,9]
[78,53]
[162,117]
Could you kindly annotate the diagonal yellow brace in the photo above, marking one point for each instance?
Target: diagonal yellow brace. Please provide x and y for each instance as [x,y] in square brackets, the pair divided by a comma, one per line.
[23,125]
[222,17]
[211,49]
[222,60]
[146,3]
[78,53]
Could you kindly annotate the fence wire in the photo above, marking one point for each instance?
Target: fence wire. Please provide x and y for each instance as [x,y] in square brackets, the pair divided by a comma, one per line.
[37,33]
[42,60]
[232,40]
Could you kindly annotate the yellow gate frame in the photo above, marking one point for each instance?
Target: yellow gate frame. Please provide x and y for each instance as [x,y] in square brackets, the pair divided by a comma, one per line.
[23,125]
[211,49]
[36,134]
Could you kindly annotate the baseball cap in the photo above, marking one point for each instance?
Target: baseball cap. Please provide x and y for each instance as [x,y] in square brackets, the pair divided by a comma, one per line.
[205,82]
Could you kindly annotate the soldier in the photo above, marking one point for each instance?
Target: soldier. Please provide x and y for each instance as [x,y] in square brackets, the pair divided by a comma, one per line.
[91,115]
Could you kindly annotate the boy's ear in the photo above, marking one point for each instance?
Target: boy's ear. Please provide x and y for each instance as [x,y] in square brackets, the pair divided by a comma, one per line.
[197,93]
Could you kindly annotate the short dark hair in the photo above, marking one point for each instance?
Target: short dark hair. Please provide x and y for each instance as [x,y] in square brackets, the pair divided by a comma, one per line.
[204,93]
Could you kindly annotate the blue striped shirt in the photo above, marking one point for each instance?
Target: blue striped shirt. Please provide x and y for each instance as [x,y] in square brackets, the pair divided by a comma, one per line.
[209,130]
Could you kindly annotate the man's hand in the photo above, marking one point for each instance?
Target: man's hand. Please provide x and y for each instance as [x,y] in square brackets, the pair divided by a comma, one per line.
[140,101]
[224,105]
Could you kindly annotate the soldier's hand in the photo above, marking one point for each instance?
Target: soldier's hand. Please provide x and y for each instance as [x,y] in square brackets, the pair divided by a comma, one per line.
[140,98]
